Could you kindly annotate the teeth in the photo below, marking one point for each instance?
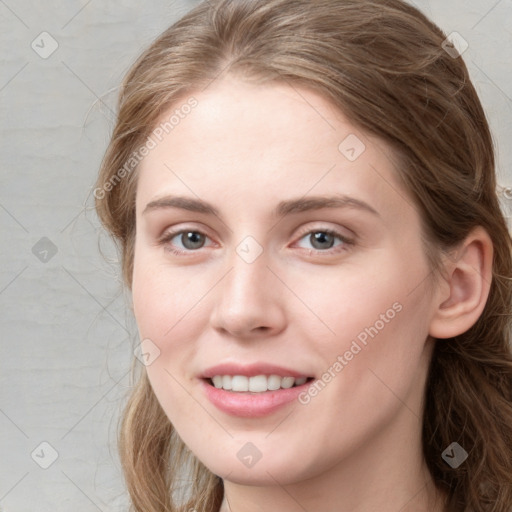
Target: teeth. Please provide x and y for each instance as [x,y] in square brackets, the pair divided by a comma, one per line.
[239,383]
[273,382]
[226,382]
[287,382]
[256,384]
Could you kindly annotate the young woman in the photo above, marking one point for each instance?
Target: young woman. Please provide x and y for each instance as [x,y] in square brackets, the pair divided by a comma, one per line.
[305,198]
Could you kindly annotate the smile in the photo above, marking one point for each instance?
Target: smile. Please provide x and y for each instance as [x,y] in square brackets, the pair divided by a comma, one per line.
[255,384]
[256,399]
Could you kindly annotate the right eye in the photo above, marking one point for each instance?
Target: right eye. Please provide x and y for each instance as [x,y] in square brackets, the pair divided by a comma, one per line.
[183,241]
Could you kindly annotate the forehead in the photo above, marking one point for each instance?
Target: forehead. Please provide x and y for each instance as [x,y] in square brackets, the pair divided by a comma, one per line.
[264,142]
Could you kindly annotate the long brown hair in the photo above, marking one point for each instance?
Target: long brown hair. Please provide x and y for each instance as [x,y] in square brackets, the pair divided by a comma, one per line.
[384,65]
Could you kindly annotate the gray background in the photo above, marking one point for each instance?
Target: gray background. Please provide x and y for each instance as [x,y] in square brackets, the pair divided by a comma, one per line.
[67,335]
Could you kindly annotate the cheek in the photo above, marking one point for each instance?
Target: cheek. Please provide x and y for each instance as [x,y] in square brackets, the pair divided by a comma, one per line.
[354,299]
[171,308]
[375,360]
[164,305]
[163,298]
[377,318]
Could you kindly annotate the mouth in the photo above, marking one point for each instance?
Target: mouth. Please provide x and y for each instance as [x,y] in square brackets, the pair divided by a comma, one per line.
[253,396]
[257,383]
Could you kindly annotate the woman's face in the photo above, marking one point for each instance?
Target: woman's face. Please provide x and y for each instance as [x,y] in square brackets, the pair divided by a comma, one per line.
[274,238]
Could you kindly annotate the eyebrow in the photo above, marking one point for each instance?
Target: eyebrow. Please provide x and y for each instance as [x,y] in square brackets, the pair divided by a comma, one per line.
[287,207]
[185,203]
[304,204]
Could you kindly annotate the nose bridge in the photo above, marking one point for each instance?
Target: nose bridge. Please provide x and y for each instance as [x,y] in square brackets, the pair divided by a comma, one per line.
[247,276]
[247,298]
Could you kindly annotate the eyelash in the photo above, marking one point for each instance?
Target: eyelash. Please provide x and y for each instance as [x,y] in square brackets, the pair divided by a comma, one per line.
[346,242]
[167,237]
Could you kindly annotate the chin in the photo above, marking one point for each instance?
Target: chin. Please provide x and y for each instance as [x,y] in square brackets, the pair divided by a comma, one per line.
[261,473]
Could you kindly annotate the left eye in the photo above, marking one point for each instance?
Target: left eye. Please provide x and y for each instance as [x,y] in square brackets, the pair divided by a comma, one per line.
[323,239]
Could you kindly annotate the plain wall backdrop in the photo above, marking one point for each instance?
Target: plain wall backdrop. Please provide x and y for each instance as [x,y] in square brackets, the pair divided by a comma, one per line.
[67,335]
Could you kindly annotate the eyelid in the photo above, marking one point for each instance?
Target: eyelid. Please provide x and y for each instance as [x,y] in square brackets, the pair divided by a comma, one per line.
[169,234]
[176,230]
[307,229]
[346,240]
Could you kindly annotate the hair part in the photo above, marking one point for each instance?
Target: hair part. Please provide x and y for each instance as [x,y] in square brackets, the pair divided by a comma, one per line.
[381,63]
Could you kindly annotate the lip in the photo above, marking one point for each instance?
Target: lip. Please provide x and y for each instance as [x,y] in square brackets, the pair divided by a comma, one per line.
[251,370]
[251,405]
[248,404]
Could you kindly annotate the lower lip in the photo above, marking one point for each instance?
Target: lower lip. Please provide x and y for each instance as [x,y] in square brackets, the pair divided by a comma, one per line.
[251,405]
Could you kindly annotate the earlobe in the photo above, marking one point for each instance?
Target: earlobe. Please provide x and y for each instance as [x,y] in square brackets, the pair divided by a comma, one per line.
[468,276]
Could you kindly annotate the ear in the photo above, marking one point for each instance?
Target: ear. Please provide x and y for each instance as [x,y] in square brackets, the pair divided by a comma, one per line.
[461,298]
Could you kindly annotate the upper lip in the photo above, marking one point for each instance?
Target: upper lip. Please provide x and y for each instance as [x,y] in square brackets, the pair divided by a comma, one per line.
[251,370]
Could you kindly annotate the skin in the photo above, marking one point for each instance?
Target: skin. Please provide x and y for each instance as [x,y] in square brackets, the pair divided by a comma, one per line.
[356,446]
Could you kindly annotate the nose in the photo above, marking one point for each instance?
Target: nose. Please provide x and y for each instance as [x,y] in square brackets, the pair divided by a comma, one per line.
[249,300]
